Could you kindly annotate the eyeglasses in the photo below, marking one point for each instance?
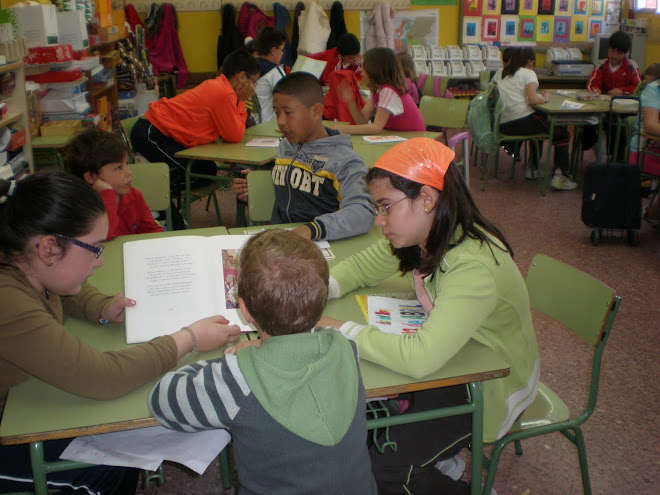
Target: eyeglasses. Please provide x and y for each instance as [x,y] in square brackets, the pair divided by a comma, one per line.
[97,250]
[254,81]
[385,210]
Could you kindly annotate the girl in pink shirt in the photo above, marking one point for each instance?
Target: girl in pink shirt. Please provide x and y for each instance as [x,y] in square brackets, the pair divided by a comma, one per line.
[393,106]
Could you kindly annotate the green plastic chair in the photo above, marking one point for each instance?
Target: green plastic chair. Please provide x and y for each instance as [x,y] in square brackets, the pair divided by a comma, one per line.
[207,191]
[491,165]
[587,307]
[484,80]
[261,194]
[448,113]
[153,181]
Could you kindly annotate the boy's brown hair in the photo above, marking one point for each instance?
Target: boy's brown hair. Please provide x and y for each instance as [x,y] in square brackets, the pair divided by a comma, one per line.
[283,280]
[91,149]
[304,86]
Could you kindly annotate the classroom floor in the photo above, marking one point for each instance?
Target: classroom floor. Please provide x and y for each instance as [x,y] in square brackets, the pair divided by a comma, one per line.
[622,436]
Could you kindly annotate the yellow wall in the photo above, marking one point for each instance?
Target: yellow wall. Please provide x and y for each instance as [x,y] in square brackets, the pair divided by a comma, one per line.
[653,45]
[198,32]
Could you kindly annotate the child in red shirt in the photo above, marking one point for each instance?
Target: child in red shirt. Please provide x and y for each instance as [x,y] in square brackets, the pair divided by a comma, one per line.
[100,159]
[346,56]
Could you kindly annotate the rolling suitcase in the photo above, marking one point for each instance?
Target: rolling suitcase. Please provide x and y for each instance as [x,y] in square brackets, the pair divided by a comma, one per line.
[612,198]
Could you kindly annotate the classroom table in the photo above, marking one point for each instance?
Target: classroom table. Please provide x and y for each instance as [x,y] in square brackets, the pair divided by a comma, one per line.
[36,412]
[233,153]
[566,116]
[49,145]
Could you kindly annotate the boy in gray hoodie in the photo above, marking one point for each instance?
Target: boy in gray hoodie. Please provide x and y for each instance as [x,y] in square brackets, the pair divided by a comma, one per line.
[293,400]
[318,178]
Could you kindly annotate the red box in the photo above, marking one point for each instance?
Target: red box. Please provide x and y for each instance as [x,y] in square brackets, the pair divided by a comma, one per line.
[94,39]
[17,140]
[56,76]
[49,54]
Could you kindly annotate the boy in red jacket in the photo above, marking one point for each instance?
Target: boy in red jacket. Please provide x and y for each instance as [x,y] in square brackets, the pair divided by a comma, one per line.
[616,75]
[100,159]
[346,56]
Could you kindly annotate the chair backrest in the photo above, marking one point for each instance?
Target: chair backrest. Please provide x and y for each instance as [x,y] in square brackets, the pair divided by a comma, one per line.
[261,194]
[126,127]
[444,112]
[153,181]
[484,80]
[483,120]
[432,85]
[570,296]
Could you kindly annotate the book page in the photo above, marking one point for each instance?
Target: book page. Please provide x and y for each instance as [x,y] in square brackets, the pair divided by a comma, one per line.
[175,281]
[383,139]
[306,64]
[398,316]
[263,143]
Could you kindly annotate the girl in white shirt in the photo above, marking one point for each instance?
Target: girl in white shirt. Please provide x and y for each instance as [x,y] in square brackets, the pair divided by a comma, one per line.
[518,89]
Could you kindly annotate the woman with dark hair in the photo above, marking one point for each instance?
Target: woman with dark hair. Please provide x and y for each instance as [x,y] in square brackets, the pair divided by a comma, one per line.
[518,88]
[462,271]
[52,229]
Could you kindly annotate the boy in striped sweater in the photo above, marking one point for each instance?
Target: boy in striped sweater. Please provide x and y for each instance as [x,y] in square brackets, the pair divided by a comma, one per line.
[293,400]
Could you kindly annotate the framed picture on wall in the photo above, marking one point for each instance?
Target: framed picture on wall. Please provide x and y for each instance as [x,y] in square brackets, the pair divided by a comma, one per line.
[527,29]
[509,7]
[490,28]
[596,7]
[491,7]
[595,27]
[509,28]
[579,29]
[528,7]
[562,29]
[546,7]
[580,7]
[472,8]
[563,7]
[471,30]
[545,28]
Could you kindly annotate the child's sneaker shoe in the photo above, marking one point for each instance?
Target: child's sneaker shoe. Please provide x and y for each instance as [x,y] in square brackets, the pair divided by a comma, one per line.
[453,467]
[562,183]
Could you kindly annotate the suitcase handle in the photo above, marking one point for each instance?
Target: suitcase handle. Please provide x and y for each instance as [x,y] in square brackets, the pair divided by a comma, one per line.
[639,118]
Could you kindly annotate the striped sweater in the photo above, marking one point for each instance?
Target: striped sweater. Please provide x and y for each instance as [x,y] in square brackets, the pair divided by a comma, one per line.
[295,408]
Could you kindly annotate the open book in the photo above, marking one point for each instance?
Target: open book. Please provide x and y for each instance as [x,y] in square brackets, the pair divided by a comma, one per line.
[383,139]
[263,143]
[389,315]
[306,64]
[179,280]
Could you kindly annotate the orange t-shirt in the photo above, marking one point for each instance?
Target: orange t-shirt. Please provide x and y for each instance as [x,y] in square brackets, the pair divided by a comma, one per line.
[201,115]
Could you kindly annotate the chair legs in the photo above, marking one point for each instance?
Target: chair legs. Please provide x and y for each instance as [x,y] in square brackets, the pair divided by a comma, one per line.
[575,435]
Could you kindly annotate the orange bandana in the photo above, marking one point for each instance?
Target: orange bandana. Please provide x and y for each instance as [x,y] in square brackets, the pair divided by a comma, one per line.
[421,160]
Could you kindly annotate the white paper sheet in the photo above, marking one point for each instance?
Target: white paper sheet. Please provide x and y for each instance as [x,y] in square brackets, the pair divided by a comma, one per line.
[572,104]
[147,448]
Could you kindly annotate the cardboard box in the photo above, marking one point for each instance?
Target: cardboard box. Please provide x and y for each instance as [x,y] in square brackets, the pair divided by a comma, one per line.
[36,23]
[61,127]
[17,139]
[48,54]
[119,20]
[103,12]
[55,76]
[109,33]
[72,29]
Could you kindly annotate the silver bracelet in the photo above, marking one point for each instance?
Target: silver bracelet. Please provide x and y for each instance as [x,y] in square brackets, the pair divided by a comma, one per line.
[194,339]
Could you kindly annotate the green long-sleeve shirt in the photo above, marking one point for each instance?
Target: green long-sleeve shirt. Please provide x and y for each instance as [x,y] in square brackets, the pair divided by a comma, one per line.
[478,293]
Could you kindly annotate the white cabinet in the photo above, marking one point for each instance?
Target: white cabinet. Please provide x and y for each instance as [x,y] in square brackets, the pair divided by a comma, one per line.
[17,112]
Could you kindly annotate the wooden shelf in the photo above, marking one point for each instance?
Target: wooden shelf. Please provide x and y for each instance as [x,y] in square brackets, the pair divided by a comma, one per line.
[10,118]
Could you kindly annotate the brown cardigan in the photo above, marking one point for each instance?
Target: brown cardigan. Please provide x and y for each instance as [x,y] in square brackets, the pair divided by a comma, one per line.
[33,341]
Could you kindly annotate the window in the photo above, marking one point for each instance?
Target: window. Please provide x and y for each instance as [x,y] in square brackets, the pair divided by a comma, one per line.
[653,5]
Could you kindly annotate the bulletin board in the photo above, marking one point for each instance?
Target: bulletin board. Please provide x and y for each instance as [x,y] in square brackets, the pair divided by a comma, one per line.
[541,23]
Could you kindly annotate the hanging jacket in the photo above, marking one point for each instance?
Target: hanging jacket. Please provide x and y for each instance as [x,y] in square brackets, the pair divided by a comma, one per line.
[295,37]
[133,17]
[334,107]
[282,16]
[165,52]
[337,24]
[229,39]
[381,27]
[314,29]
[251,20]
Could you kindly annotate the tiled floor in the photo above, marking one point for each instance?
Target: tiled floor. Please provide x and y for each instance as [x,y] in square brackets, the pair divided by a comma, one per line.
[622,436]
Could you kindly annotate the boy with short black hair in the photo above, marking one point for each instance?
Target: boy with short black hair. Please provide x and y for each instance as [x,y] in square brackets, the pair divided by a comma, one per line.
[270,48]
[345,56]
[319,179]
[616,75]
[294,403]
[101,159]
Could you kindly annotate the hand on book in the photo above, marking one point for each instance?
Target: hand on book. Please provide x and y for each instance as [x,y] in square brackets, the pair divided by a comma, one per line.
[113,311]
[239,186]
[213,332]
[241,345]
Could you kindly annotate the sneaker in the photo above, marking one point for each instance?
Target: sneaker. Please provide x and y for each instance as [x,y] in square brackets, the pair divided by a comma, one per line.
[562,183]
[531,173]
[453,467]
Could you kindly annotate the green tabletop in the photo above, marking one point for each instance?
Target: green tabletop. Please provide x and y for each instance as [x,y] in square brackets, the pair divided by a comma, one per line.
[36,411]
[230,152]
[50,141]
[264,129]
